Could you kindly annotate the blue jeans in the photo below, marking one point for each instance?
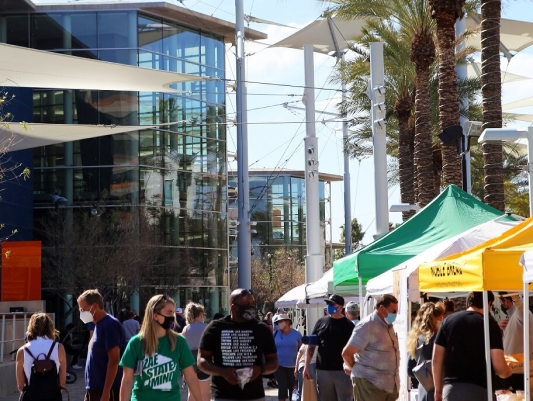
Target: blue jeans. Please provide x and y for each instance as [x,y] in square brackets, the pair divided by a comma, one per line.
[312,371]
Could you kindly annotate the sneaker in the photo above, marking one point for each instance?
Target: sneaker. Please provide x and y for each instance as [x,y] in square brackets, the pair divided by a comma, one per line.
[77,367]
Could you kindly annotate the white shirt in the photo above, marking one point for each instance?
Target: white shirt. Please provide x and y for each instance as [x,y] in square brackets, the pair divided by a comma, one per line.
[39,348]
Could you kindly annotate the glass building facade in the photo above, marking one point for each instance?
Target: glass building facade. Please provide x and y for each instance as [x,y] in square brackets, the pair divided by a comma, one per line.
[277,208]
[174,176]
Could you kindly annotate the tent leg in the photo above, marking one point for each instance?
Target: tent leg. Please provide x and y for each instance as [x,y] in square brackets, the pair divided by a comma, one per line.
[527,351]
[361,298]
[486,316]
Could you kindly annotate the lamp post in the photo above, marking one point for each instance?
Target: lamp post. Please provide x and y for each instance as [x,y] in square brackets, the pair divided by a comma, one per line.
[511,135]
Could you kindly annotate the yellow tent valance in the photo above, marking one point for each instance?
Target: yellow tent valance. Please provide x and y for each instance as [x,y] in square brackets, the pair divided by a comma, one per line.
[492,265]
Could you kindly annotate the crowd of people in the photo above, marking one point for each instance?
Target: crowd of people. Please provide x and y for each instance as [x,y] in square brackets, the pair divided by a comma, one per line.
[344,358]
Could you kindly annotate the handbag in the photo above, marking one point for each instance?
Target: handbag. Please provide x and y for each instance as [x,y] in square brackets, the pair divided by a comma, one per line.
[424,375]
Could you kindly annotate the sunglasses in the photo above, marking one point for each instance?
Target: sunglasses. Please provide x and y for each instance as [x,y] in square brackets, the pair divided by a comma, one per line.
[162,297]
[243,293]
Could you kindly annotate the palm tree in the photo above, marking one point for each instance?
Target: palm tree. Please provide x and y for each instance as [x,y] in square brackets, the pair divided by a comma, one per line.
[491,90]
[396,23]
[446,13]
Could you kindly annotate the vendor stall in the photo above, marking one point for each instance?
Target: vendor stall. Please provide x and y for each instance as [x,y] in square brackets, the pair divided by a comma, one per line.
[493,265]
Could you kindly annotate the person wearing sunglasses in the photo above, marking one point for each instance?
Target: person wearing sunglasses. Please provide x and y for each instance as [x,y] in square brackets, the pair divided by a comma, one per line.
[102,372]
[154,358]
[237,351]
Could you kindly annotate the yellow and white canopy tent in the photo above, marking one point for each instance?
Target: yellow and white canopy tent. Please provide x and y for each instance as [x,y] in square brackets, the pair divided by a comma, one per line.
[491,266]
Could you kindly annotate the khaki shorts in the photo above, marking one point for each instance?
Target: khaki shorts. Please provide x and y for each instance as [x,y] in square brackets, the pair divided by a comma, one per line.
[363,390]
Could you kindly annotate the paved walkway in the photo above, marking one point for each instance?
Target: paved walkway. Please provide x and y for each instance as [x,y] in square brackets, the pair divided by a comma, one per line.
[77,391]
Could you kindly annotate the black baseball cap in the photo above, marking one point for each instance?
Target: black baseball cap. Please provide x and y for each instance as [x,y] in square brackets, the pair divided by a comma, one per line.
[335,299]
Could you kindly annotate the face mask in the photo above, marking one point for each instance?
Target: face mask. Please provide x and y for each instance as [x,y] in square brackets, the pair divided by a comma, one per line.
[391,317]
[247,312]
[332,309]
[282,325]
[86,316]
[504,309]
[168,323]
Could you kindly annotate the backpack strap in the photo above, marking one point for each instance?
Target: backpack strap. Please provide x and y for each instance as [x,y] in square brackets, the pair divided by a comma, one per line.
[50,350]
[29,352]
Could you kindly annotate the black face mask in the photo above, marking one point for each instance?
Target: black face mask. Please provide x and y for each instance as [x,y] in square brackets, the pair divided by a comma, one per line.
[168,323]
[247,312]
[504,309]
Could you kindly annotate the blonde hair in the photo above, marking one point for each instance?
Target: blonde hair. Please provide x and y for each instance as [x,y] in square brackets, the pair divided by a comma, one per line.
[192,311]
[425,324]
[148,332]
[41,325]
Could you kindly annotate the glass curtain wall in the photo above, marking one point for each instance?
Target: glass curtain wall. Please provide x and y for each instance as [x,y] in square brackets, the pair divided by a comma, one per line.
[174,177]
[277,205]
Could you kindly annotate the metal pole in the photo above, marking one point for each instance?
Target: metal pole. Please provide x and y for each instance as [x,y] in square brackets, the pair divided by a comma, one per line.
[462,73]
[379,134]
[313,259]
[244,240]
[347,190]
[527,351]
[486,317]
[530,167]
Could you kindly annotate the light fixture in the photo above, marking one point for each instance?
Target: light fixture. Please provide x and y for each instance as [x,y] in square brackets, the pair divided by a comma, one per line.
[511,135]
[404,207]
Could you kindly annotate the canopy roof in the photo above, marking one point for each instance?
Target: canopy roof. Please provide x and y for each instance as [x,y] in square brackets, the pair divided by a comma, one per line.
[383,284]
[25,136]
[515,35]
[452,212]
[492,265]
[32,68]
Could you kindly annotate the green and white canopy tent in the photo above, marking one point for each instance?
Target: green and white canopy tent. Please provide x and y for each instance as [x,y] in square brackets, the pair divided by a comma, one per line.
[451,213]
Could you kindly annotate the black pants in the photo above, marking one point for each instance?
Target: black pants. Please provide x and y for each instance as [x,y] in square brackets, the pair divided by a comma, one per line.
[286,380]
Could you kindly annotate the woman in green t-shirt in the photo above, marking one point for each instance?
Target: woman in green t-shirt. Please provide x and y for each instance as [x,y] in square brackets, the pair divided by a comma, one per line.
[154,358]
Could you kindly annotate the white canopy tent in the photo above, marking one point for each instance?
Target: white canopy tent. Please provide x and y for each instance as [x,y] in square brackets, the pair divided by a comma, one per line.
[41,69]
[384,283]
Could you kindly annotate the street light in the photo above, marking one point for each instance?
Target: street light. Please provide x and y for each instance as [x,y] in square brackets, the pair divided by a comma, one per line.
[404,207]
[512,135]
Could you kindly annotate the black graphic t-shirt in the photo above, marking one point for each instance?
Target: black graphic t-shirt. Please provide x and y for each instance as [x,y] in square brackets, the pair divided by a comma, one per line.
[237,345]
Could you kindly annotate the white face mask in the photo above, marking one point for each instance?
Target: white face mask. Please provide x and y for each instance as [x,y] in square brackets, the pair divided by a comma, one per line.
[282,325]
[86,316]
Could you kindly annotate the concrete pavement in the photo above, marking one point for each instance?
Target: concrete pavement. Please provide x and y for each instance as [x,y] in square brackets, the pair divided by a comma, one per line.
[77,391]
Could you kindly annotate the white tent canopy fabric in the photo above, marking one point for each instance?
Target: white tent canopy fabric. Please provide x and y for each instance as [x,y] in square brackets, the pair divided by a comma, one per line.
[383,284]
[30,68]
[305,294]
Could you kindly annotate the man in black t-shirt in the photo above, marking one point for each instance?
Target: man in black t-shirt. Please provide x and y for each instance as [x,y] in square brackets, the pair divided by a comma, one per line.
[459,366]
[235,342]
[333,333]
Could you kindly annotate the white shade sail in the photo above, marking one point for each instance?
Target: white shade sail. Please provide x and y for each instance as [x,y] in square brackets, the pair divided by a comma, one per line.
[25,136]
[318,33]
[32,68]
[514,35]
[526,102]
[474,70]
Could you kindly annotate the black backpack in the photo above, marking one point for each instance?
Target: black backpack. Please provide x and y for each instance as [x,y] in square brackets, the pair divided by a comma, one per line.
[44,380]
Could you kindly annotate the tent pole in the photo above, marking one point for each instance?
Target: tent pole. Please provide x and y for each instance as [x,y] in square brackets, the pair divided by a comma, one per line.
[487,343]
[527,351]
[361,298]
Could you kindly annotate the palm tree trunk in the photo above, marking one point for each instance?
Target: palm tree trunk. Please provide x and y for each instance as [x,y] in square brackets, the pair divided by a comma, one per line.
[423,143]
[446,13]
[491,91]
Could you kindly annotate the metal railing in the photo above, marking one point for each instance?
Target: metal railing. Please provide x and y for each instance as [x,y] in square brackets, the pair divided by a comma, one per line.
[14,335]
